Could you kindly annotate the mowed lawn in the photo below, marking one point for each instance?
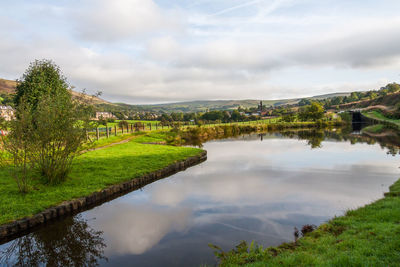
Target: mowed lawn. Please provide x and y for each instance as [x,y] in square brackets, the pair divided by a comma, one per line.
[92,171]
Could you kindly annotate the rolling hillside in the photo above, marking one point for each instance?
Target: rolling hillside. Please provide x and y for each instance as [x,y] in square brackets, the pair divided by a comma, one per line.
[204,105]
[8,87]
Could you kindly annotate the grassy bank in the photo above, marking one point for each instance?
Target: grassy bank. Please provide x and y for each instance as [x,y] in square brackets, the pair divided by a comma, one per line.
[378,116]
[92,171]
[368,236]
[374,129]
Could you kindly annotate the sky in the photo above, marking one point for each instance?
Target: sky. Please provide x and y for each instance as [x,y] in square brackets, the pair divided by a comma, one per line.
[160,51]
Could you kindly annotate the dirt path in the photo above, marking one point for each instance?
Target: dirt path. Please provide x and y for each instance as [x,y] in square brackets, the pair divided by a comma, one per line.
[110,145]
[385,108]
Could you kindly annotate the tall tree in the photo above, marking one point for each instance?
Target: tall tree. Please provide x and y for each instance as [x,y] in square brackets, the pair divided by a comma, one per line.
[43,78]
[49,129]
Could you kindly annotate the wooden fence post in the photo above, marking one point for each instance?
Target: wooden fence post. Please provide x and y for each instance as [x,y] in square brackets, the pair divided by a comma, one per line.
[107,132]
[150,126]
[115,130]
[97,133]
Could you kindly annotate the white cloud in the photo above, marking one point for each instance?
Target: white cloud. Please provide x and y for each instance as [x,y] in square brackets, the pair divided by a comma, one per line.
[131,229]
[111,21]
[143,52]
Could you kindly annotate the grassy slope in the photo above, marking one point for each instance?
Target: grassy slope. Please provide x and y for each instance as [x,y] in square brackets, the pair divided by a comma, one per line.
[374,114]
[368,236]
[91,172]
[203,105]
[8,87]
[376,128]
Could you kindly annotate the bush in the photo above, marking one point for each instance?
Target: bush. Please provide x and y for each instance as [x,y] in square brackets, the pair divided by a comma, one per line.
[313,112]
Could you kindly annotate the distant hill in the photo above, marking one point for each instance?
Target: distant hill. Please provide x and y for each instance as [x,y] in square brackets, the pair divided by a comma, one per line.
[8,87]
[204,105]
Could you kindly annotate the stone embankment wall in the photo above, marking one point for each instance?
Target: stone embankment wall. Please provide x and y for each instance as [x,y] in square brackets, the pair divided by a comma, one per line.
[23,226]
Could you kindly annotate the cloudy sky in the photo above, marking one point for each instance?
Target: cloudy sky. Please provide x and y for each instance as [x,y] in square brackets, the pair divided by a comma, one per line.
[156,51]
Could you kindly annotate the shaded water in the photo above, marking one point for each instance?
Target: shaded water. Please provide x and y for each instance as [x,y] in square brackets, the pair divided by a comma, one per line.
[254,187]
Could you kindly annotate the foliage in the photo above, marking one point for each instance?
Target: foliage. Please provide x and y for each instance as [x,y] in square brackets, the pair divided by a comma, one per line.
[20,148]
[49,129]
[289,117]
[43,78]
[123,124]
[60,131]
[7,99]
[313,112]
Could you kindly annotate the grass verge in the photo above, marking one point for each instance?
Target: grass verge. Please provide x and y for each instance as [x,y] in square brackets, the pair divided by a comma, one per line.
[375,129]
[374,114]
[368,236]
[92,172]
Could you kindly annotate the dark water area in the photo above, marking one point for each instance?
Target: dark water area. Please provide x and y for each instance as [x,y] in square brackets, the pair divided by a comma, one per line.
[252,187]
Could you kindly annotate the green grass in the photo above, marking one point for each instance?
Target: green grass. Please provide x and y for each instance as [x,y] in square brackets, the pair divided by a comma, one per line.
[368,236]
[92,171]
[375,129]
[112,124]
[379,116]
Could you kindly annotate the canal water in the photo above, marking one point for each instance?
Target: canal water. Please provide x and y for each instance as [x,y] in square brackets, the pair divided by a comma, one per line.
[253,187]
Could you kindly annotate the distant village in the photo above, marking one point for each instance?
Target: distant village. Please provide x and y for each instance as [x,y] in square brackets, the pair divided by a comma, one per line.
[7,113]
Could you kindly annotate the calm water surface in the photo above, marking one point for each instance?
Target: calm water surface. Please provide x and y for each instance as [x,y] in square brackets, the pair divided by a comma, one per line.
[248,189]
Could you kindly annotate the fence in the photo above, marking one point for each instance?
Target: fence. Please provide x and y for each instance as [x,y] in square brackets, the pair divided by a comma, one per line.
[115,130]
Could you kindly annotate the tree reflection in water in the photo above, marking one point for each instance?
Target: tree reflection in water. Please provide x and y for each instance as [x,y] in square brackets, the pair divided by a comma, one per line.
[71,242]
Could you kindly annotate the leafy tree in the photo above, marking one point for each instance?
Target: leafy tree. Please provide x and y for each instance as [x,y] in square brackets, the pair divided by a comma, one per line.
[290,117]
[123,124]
[373,95]
[304,102]
[43,78]
[236,116]
[354,96]
[313,112]
[49,129]
[393,87]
